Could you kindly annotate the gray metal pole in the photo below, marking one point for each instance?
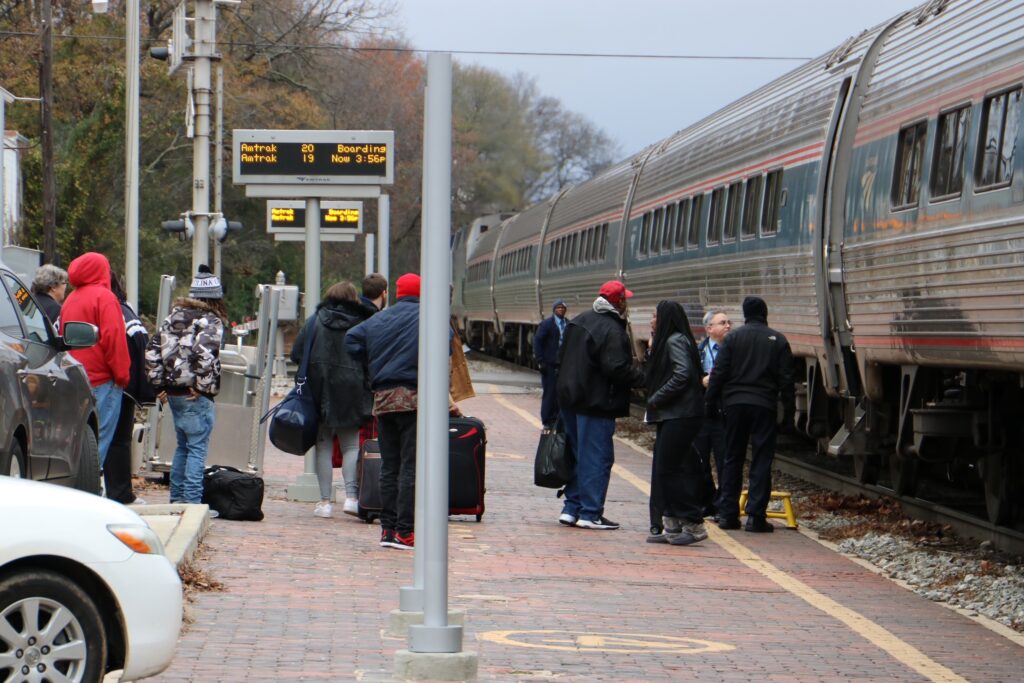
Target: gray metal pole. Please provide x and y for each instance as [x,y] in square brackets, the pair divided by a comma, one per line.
[203,49]
[435,634]
[305,487]
[410,598]
[218,164]
[368,263]
[5,97]
[384,236]
[131,153]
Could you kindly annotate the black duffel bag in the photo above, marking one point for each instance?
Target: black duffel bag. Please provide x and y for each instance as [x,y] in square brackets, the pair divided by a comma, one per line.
[233,494]
[295,421]
[555,463]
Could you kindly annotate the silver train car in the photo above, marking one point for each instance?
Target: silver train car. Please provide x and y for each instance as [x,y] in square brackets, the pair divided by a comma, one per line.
[874,197]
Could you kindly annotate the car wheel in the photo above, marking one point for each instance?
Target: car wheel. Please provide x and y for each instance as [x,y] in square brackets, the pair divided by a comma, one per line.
[49,630]
[88,477]
[13,463]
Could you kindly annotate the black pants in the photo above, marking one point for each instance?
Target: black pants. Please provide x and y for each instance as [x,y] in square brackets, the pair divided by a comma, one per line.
[549,399]
[397,435]
[677,478]
[756,425]
[117,470]
[711,439]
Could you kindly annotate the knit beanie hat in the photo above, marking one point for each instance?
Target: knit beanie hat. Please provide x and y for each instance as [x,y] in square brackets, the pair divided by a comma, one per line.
[755,307]
[407,285]
[205,285]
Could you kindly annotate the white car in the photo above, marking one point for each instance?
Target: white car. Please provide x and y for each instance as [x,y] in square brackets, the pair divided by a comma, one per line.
[85,588]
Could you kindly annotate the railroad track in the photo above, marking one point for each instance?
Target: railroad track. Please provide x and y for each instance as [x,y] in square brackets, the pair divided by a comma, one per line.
[964,524]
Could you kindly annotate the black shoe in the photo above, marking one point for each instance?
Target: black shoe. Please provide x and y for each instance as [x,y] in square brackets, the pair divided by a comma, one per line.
[657,536]
[602,523]
[758,525]
[728,523]
[683,538]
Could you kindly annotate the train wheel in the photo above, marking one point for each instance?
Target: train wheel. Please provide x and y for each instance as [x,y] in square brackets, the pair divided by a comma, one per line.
[903,474]
[998,481]
[866,467]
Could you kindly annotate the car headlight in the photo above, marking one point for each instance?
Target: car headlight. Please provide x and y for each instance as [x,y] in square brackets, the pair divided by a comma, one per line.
[139,537]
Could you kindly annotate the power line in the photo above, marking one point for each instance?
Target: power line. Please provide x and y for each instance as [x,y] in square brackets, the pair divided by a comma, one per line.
[488,53]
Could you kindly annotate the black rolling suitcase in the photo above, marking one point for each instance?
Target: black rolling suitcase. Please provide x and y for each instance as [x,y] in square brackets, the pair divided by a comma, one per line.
[369,481]
[467,445]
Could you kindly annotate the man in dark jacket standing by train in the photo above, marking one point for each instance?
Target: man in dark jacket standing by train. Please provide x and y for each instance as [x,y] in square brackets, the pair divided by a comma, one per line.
[546,343]
[753,370]
[596,373]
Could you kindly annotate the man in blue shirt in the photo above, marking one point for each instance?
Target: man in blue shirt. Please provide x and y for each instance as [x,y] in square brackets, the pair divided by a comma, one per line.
[712,431]
[546,342]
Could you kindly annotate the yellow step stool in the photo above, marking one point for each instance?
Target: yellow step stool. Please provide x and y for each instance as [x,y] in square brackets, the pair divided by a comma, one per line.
[787,507]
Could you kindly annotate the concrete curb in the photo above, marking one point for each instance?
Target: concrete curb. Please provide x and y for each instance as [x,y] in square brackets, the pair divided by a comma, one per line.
[193,523]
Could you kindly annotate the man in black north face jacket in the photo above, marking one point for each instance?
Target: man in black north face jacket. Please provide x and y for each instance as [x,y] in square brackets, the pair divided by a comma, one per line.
[754,370]
[596,373]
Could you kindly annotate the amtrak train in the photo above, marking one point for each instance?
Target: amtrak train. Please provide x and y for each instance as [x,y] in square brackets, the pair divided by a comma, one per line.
[874,197]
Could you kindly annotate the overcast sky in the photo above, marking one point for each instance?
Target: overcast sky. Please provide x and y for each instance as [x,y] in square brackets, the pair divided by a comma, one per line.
[640,101]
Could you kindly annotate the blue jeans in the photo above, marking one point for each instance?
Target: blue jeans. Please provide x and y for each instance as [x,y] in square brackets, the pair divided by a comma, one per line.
[193,424]
[108,409]
[591,440]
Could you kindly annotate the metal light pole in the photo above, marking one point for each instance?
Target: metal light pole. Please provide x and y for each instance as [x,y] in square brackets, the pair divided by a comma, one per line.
[203,53]
[384,236]
[131,146]
[435,635]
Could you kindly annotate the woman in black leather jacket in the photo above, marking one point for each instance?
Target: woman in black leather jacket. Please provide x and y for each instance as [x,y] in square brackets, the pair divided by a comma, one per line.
[675,403]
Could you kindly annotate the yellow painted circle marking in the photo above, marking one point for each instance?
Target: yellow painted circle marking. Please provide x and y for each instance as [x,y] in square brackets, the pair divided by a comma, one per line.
[623,643]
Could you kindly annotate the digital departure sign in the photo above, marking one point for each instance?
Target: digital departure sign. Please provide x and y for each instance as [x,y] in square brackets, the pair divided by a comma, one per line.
[295,217]
[321,157]
[290,216]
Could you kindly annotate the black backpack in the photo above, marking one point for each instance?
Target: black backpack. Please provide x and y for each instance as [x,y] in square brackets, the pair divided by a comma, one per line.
[233,494]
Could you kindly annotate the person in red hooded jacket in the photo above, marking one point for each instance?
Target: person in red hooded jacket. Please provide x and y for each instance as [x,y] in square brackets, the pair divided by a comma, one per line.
[107,363]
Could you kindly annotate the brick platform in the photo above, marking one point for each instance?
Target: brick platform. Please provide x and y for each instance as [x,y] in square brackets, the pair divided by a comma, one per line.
[308,598]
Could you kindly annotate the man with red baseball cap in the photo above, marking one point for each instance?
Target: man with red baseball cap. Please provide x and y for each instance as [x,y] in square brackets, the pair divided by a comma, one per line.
[596,373]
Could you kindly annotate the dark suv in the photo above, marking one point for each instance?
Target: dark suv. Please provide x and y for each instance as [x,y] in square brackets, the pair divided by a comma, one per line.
[48,422]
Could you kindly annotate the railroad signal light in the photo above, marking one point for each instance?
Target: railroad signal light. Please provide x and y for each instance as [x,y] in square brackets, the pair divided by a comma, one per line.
[222,227]
[181,227]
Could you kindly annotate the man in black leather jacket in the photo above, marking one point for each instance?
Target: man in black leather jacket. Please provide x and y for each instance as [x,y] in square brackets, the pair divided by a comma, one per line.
[753,371]
[596,373]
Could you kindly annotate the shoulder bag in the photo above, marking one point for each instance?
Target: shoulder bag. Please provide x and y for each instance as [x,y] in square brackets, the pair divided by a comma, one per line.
[295,421]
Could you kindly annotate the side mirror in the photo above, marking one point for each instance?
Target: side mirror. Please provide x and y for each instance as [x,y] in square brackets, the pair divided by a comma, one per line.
[79,335]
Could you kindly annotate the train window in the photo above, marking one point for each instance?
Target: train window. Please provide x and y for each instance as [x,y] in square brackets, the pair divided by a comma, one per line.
[1000,118]
[572,248]
[717,215]
[558,253]
[604,241]
[732,211]
[693,230]
[645,229]
[950,147]
[659,225]
[772,201]
[682,213]
[595,243]
[670,227]
[906,176]
[582,253]
[752,207]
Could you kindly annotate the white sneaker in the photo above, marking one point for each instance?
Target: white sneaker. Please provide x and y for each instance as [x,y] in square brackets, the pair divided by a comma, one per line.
[323,509]
[351,506]
[566,519]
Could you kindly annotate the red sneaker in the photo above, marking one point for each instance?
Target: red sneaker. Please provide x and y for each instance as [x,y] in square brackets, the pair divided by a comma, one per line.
[403,541]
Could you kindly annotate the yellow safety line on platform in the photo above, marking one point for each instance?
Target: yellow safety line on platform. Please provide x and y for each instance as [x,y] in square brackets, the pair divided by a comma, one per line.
[881,637]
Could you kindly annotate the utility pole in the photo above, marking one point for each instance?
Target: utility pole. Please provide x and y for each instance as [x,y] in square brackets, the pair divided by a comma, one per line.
[131,153]
[203,55]
[218,168]
[46,92]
